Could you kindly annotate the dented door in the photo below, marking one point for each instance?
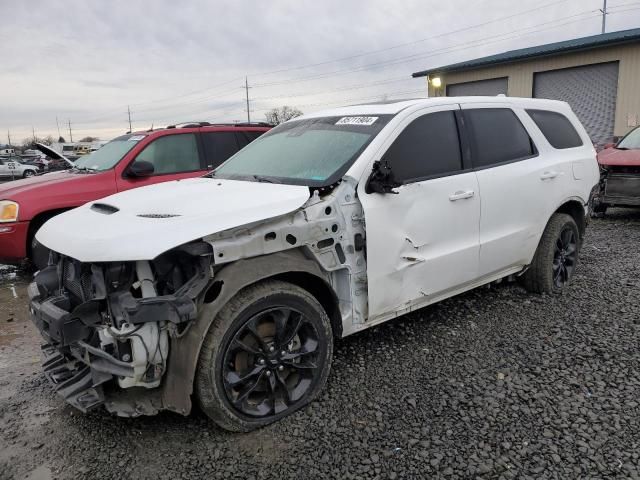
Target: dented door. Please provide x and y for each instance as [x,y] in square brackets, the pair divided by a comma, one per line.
[423,240]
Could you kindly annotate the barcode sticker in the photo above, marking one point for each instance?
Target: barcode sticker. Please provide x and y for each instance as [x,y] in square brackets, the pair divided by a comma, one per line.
[136,138]
[357,121]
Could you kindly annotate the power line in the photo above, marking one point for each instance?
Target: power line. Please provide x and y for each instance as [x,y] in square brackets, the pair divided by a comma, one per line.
[372,52]
[402,45]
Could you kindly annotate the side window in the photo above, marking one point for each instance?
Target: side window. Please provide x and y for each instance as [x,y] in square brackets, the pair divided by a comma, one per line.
[429,146]
[172,154]
[245,138]
[497,136]
[556,128]
[219,146]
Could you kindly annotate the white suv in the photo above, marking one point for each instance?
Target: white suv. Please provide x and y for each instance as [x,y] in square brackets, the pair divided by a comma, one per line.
[234,286]
[10,168]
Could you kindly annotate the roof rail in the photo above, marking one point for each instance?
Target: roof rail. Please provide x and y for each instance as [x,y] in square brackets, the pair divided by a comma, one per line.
[197,124]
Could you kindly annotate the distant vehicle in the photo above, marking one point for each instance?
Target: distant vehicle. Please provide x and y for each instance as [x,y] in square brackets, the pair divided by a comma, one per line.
[13,169]
[233,286]
[7,151]
[619,174]
[129,161]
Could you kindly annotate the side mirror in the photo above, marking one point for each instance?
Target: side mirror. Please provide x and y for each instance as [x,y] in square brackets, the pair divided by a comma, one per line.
[381,179]
[140,169]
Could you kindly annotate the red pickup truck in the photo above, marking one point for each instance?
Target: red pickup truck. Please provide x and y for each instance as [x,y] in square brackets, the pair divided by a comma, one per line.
[129,161]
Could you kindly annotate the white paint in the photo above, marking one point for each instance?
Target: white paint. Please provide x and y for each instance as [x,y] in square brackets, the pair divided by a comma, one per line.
[204,205]
[422,241]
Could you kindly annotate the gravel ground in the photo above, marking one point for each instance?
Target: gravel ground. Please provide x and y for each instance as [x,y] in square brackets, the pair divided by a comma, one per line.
[496,383]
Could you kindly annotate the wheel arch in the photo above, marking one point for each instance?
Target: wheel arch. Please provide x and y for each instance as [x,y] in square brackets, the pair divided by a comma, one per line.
[37,221]
[291,266]
[574,207]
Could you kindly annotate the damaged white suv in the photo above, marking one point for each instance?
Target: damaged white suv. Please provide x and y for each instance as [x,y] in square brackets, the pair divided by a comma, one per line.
[233,287]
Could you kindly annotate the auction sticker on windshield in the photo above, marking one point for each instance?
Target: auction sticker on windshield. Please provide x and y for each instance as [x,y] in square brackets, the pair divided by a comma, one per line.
[357,121]
[136,138]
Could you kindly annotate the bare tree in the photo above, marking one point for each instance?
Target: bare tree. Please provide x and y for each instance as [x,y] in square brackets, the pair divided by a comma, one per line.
[29,142]
[89,139]
[276,116]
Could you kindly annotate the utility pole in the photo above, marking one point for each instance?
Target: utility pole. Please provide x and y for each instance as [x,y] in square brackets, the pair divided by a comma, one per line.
[246,88]
[9,138]
[129,113]
[70,135]
[33,130]
[58,125]
[604,16]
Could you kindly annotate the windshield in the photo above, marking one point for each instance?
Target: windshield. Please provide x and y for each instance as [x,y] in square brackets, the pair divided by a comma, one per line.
[312,152]
[110,154]
[631,141]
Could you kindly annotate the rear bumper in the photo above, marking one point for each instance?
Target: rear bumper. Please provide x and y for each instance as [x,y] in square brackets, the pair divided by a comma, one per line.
[13,241]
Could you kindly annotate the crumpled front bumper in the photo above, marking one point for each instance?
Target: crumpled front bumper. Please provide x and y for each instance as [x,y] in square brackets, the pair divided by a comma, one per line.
[76,369]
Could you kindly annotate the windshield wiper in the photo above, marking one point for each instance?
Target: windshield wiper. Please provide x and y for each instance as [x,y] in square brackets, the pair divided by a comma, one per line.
[85,169]
[258,178]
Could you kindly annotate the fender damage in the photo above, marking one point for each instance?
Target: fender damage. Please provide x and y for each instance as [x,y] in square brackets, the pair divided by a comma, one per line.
[126,333]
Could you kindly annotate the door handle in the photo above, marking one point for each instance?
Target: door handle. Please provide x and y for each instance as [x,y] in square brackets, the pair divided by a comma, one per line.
[461,195]
[548,175]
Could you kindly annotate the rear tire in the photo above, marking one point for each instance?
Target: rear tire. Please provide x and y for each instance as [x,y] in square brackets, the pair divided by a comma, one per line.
[556,257]
[267,354]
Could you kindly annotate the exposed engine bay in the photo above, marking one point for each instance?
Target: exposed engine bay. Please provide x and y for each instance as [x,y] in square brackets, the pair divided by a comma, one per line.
[106,321]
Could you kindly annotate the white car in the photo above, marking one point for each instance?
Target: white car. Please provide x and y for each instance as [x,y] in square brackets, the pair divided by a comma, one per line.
[233,287]
[13,169]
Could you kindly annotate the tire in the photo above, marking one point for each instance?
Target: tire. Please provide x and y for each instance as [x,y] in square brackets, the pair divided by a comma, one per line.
[28,173]
[39,254]
[543,276]
[238,351]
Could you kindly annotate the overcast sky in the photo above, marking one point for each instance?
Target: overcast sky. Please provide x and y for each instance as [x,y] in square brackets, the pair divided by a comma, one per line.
[174,61]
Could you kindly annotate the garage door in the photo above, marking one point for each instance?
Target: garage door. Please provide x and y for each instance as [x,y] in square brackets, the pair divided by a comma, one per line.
[590,90]
[491,87]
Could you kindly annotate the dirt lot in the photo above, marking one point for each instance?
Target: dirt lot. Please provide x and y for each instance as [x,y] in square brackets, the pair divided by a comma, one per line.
[496,383]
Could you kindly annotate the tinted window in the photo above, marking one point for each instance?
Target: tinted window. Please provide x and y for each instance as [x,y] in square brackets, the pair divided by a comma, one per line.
[497,136]
[245,138]
[556,128]
[218,146]
[172,154]
[427,147]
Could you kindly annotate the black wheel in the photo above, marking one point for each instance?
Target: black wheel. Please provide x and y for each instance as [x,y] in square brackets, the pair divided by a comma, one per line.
[28,173]
[556,256]
[267,354]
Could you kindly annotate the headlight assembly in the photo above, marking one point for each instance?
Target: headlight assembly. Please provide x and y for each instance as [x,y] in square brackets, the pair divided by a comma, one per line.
[8,211]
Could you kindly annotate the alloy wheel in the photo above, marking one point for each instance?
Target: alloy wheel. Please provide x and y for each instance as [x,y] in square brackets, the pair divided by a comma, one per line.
[271,362]
[564,256]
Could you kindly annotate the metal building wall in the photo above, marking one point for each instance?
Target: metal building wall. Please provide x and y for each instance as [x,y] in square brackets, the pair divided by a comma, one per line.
[521,77]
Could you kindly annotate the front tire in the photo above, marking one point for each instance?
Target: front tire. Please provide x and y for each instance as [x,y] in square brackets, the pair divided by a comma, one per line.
[267,354]
[556,257]
[28,173]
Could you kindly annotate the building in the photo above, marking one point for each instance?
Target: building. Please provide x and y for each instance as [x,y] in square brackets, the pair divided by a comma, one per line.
[599,76]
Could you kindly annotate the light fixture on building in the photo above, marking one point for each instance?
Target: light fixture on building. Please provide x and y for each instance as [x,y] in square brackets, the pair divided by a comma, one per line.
[436,82]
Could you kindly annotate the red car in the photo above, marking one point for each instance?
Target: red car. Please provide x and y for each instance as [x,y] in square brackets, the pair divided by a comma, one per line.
[620,174]
[129,161]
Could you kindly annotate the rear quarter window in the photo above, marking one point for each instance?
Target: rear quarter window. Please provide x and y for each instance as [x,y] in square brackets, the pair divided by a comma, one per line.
[556,128]
[497,136]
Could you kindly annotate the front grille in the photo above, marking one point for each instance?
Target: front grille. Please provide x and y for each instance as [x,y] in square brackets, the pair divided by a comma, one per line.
[621,185]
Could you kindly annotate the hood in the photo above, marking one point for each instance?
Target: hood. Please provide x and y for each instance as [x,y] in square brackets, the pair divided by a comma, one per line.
[51,153]
[13,190]
[142,223]
[616,157]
